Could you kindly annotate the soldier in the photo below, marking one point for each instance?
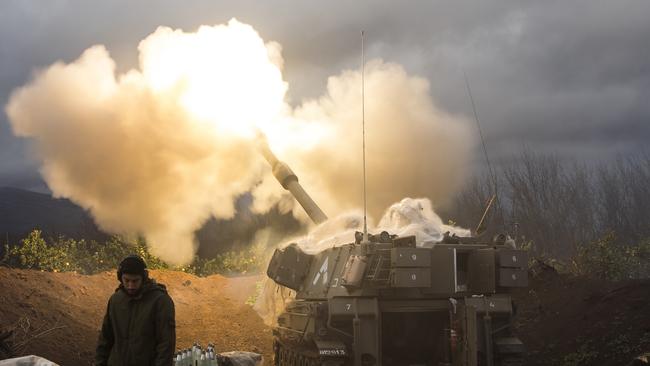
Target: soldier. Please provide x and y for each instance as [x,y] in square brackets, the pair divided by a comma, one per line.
[139,327]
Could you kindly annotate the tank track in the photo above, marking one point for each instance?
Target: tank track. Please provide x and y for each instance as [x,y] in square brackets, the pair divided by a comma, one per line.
[294,356]
[512,361]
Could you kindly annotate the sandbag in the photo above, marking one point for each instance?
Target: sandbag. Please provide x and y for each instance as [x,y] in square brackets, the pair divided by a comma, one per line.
[642,360]
[240,358]
[27,361]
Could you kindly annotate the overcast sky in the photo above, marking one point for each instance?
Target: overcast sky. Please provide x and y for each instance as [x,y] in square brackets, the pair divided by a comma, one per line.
[565,77]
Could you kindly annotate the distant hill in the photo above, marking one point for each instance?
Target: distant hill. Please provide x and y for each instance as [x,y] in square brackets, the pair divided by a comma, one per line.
[22,211]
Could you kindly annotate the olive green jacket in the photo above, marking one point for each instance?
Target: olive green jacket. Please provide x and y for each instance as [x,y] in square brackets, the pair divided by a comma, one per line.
[138,330]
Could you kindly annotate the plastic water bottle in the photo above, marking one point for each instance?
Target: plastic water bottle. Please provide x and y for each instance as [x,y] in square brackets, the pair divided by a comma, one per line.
[183,358]
[213,355]
[188,357]
[209,356]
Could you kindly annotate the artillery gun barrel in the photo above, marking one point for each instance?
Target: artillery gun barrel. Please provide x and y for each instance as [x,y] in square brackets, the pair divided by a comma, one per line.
[289,181]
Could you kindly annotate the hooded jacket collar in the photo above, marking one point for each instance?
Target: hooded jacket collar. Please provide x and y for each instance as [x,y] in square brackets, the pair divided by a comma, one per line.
[148,286]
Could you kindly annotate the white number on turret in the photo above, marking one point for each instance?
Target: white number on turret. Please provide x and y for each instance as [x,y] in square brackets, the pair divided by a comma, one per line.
[348,307]
[414,277]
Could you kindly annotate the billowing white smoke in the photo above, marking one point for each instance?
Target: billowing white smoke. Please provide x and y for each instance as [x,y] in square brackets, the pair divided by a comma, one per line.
[136,150]
[416,217]
[410,216]
[158,150]
[412,147]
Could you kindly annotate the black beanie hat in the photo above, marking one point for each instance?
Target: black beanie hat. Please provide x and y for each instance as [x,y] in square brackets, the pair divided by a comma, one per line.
[132,264]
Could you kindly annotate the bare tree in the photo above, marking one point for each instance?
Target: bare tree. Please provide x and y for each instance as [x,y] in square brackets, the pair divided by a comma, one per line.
[560,205]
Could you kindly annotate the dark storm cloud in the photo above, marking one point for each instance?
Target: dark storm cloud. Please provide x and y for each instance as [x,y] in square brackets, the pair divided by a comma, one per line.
[570,77]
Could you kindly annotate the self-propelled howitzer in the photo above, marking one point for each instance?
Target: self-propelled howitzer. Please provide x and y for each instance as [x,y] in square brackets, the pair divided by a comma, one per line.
[393,301]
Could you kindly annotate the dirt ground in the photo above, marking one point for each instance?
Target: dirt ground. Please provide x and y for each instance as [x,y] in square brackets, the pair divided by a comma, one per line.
[563,320]
[58,315]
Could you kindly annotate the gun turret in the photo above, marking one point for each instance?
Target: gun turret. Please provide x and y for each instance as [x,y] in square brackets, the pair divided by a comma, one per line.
[289,181]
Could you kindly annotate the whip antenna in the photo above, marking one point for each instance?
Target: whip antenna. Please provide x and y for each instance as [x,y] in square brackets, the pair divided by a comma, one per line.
[363,136]
[480,133]
[492,174]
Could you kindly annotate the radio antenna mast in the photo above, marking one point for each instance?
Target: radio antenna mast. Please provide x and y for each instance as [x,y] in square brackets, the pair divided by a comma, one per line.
[363,135]
[491,172]
[480,133]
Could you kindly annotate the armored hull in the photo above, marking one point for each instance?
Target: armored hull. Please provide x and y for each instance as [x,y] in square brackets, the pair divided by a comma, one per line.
[391,302]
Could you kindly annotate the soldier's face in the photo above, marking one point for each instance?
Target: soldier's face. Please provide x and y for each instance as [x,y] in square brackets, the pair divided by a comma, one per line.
[131,283]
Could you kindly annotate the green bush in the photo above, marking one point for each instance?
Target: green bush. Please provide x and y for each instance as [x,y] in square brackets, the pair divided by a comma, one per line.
[35,253]
[608,259]
[68,255]
[585,355]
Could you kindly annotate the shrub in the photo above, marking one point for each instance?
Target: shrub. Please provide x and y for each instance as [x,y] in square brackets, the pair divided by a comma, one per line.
[607,259]
[68,255]
[585,355]
[36,254]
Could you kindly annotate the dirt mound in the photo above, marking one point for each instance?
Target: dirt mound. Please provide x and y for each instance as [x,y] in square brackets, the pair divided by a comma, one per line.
[563,320]
[567,320]
[58,315]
